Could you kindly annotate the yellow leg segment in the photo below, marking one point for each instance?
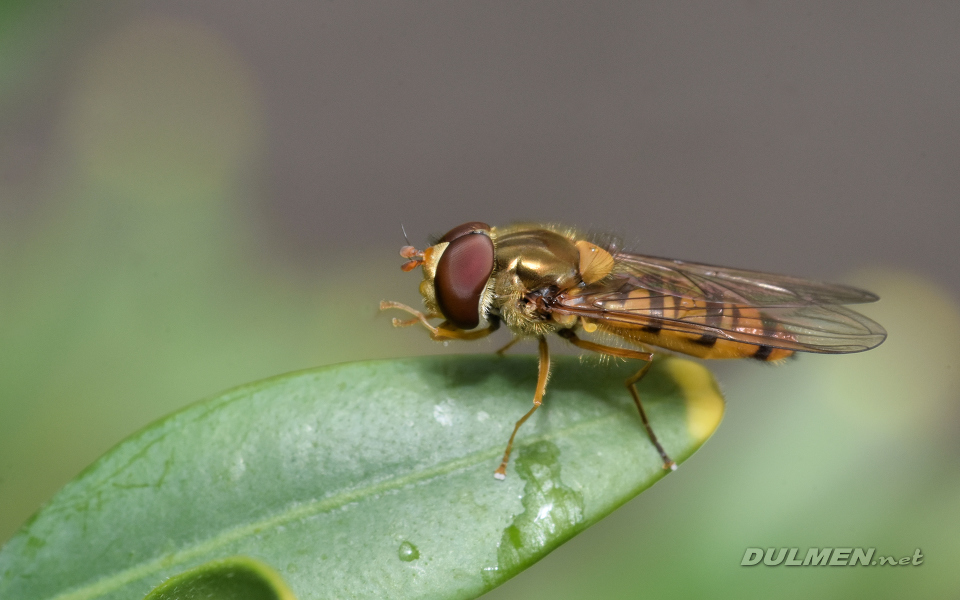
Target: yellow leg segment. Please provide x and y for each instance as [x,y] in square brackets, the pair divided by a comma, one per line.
[509,345]
[445,331]
[631,383]
[501,472]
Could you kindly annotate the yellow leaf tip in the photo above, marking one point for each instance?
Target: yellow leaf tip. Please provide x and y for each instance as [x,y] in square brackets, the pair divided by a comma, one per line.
[704,402]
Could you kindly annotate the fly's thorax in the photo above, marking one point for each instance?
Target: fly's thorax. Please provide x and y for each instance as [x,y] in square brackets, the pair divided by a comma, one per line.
[533,265]
[518,310]
[539,258]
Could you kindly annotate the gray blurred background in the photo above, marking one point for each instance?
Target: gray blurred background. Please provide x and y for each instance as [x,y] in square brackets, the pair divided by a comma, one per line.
[198,194]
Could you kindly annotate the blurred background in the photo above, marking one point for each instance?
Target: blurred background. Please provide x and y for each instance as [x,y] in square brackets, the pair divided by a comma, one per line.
[197,194]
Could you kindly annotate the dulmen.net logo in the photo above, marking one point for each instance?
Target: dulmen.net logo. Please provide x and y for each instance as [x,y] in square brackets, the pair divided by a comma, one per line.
[825,557]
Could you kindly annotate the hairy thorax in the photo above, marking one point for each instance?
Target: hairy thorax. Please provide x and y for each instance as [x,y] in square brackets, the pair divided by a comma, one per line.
[533,266]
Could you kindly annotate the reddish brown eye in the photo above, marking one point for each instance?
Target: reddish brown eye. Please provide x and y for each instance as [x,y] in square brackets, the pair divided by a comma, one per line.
[462,230]
[462,273]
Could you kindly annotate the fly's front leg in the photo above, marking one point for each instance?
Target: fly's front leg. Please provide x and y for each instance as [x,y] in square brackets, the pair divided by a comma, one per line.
[544,374]
[647,357]
[442,333]
[418,317]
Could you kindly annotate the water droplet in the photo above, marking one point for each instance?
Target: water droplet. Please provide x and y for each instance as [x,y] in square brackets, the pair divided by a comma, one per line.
[443,413]
[551,512]
[408,552]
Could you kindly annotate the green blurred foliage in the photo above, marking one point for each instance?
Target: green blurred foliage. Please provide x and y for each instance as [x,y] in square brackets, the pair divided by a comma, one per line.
[135,278]
[131,284]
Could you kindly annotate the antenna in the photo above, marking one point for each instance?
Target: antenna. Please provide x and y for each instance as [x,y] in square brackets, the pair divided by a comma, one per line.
[405,234]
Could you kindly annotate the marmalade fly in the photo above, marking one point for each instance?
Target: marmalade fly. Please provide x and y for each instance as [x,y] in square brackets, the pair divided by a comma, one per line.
[543,279]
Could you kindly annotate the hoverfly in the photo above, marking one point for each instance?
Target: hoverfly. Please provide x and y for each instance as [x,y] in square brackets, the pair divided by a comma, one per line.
[543,279]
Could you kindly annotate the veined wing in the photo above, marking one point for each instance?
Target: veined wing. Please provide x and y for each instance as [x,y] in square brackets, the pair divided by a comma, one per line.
[729,286]
[829,329]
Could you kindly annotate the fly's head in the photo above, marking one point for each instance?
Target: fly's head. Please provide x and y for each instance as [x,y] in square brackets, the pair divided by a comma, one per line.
[457,274]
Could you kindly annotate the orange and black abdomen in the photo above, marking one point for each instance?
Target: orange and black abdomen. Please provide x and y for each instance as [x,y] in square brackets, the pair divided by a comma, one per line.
[739,320]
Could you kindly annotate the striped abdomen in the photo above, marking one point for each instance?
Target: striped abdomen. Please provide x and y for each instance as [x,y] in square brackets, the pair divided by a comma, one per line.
[738,321]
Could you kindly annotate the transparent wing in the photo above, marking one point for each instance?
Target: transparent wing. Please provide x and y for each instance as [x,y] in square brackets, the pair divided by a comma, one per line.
[822,329]
[734,286]
[740,306]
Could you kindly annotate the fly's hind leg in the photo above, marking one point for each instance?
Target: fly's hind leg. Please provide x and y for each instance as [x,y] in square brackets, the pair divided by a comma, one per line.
[544,374]
[632,386]
[570,336]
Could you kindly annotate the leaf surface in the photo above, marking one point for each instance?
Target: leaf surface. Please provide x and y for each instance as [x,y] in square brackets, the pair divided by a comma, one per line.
[364,480]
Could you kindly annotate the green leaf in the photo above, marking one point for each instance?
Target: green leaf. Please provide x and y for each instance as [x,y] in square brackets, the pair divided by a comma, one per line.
[234,578]
[364,480]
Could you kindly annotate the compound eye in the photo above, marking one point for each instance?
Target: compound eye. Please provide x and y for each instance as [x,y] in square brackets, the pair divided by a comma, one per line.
[462,273]
[462,230]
